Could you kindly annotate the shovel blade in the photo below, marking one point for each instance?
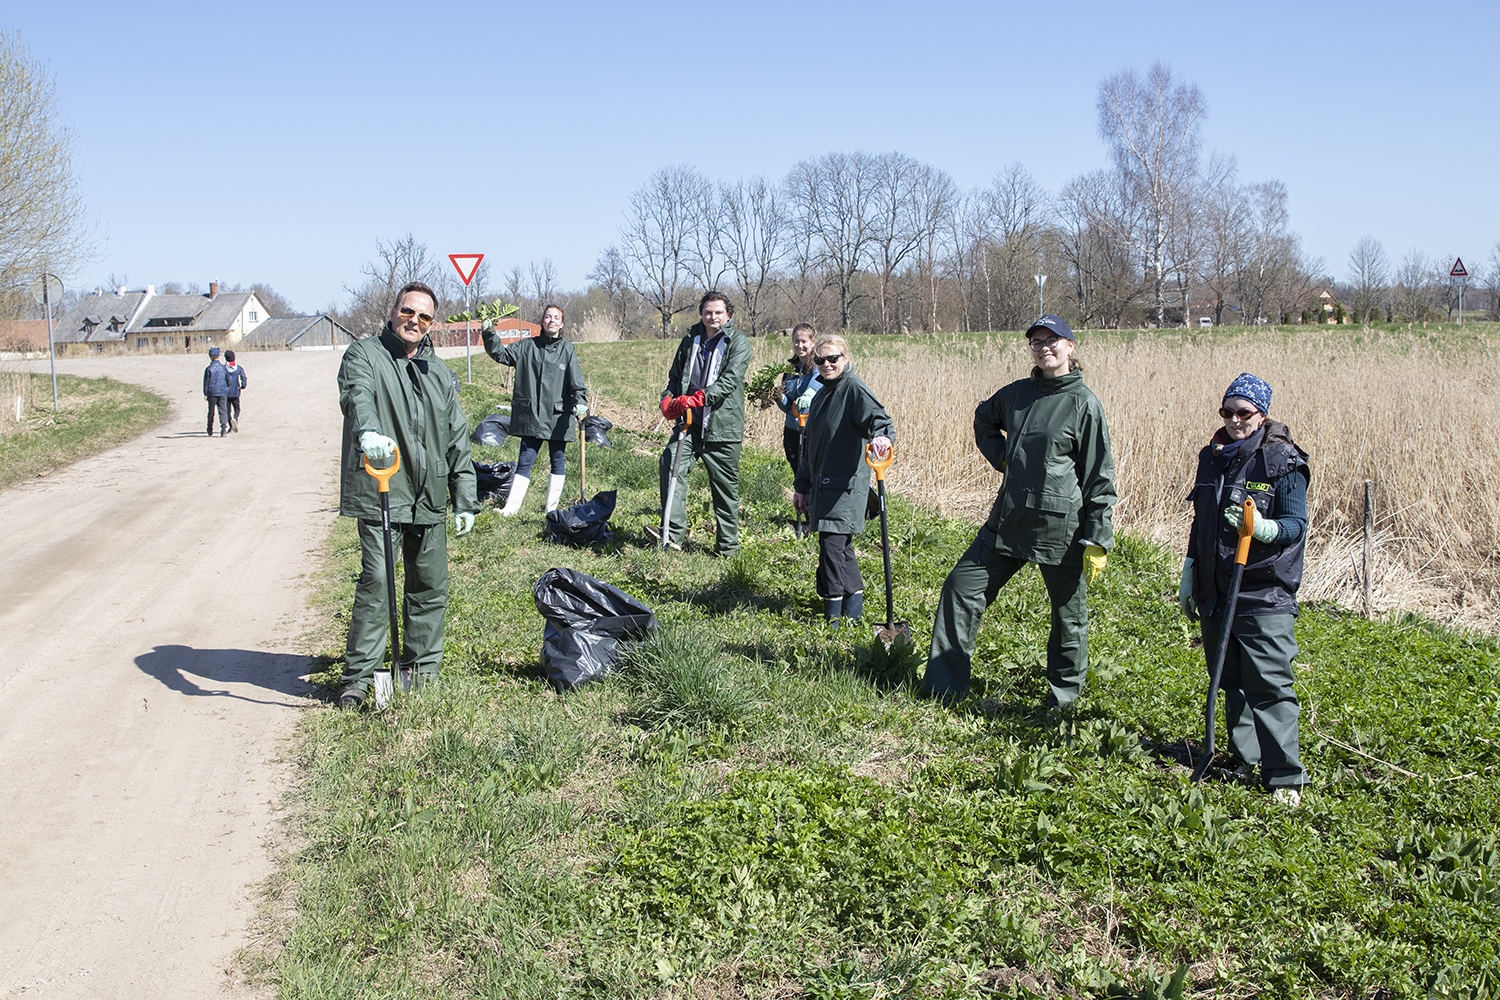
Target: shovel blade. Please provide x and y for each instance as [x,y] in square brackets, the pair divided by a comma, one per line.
[888,634]
[384,688]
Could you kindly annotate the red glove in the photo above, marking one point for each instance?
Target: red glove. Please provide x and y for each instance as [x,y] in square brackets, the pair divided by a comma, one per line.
[672,407]
[696,400]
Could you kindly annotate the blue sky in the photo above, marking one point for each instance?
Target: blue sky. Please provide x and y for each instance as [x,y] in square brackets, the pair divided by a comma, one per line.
[278,141]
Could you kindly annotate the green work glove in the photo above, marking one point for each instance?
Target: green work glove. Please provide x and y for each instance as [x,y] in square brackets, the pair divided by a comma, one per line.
[487,326]
[1094,558]
[804,401]
[1185,591]
[376,445]
[580,411]
[463,522]
[1265,529]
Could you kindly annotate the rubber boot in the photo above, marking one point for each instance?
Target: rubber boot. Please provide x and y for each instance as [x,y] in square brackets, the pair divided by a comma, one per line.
[854,605]
[554,490]
[518,487]
[833,609]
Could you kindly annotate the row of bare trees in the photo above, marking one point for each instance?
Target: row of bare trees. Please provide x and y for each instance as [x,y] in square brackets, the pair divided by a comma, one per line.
[1417,289]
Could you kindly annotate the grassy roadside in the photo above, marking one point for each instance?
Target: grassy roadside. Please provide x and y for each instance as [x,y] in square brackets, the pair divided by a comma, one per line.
[94,414]
[755,808]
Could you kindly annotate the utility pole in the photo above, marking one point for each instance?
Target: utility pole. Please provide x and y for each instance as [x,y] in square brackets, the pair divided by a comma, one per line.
[1041,294]
[51,355]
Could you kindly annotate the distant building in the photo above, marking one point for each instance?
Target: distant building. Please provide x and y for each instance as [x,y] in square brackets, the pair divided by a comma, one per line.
[297,333]
[145,321]
[510,329]
[23,335]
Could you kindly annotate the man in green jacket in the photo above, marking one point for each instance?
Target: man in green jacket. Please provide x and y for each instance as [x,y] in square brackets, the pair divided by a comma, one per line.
[708,377]
[1048,435]
[395,393]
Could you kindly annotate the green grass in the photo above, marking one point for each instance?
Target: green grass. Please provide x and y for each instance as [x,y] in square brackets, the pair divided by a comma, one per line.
[758,806]
[94,415]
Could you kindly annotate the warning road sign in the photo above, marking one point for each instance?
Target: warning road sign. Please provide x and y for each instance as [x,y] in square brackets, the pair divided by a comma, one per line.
[466,264]
[1458,271]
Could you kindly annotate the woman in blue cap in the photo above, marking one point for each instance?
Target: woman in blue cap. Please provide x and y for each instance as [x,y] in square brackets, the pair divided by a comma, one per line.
[1047,433]
[1252,456]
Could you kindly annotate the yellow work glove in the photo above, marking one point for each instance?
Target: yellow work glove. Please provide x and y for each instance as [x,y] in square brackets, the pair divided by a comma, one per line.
[1094,559]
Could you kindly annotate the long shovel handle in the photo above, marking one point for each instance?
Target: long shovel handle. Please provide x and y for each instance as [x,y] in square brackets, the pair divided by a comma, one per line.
[683,423]
[880,466]
[583,459]
[1216,666]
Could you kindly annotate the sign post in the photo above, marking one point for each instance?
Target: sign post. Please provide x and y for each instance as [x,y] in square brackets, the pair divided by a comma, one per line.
[47,277]
[1041,293]
[1458,273]
[467,265]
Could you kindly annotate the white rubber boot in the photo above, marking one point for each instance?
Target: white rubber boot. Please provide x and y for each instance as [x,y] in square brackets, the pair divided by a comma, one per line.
[518,487]
[554,490]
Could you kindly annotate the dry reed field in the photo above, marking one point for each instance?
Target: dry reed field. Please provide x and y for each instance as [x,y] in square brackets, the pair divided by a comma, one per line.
[1405,409]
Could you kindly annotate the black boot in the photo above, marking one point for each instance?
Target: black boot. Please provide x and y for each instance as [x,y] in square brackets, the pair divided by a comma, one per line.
[854,605]
[833,609]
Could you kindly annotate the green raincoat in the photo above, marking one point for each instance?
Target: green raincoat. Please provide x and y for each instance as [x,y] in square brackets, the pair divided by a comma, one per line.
[548,385]
[724,417]
[844,417]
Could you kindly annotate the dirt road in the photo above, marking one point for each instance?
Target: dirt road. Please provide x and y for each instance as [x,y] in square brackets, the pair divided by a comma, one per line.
[151,600]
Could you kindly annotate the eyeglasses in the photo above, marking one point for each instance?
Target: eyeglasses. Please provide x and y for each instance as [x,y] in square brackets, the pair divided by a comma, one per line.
[1240,415]
[1038,343]
[407,312]
[826,359]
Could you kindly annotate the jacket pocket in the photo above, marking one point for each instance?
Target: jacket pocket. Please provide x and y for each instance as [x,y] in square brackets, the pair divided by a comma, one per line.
[1049,501]
[835,484]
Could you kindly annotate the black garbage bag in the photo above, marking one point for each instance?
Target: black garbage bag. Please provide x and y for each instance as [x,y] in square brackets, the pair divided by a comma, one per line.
[492,430]
[593,431]
[586,619]
[493,480]
[584,524]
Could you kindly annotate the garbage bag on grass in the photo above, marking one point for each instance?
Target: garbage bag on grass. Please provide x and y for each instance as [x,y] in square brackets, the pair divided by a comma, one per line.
[583,524]
[586,619]
[593,431]
[493,479]
[492,430]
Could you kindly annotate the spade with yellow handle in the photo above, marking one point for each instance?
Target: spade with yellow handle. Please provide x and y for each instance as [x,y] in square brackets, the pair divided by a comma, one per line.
[1216,665]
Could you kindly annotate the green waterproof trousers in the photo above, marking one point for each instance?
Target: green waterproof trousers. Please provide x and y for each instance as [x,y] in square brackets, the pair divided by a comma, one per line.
[971,587]
[1260,707]
[721,460]
[424,550]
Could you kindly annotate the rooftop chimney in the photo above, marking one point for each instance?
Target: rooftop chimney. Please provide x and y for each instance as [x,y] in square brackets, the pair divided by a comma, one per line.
[150,289]
[213,289]
[120,290]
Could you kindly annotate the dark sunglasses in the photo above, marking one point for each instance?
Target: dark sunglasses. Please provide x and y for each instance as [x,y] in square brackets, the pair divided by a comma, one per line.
[1243,415]
[827,359]
[407,312]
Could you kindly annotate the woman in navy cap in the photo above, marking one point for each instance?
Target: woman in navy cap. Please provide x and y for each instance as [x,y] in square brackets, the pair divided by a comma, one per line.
[1255,456]
[1048,435]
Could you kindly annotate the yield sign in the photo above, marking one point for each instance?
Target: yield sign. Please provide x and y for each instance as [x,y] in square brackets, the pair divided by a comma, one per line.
[1458,271]
[466,264]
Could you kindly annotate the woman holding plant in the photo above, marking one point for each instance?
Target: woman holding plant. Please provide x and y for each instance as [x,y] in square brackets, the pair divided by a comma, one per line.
[1048,435]
[549,395]
[833,481]
[797,386]
[1252,456]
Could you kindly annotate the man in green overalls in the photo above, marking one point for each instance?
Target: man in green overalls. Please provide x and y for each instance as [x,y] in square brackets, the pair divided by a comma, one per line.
[708,377]
[395,393]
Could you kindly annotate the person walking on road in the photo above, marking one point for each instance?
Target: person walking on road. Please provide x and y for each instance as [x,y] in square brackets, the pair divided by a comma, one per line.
[216,391]
[833,481]
[549,396]
[235,382]
[708,377]
[1048,435]
[1252,456]
[395,393]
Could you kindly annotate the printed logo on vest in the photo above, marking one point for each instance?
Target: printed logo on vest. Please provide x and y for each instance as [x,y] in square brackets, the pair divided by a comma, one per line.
[1263,487]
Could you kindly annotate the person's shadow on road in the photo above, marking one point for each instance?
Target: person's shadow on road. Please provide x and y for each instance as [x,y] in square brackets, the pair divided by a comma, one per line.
[180,667]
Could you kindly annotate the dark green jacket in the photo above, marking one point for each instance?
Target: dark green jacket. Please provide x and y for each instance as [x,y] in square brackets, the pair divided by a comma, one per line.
[1049,438]
[413,401]
[844,417]
[549,384]
[724,416]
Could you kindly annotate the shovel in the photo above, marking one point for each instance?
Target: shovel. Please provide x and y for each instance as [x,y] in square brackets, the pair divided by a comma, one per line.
[892,629]
[800,529]
[1216,665]
[684,423]
[385,681]
[583,458]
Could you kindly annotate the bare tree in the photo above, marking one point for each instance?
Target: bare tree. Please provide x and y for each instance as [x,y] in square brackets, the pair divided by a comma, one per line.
[893,225]
[543,277]
[832,197]
[1494,282]
[1226,220]
[1015,209]
[753,234]
[396,263]
[1368,268]
[42,221]
[706,260]
[1269,249]
[1152,124]
[934,201]
[1093,212]
[1413,291]
[610,276]
[656,241]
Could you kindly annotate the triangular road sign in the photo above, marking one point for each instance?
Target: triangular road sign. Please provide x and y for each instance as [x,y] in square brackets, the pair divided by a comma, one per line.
[1459,271]
[466,264]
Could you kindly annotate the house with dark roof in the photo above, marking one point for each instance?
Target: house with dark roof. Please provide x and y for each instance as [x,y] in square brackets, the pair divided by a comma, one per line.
[297,333]
[145,321]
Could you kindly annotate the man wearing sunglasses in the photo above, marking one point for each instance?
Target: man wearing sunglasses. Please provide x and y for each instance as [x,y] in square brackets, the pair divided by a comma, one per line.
[395,393]
[708,377]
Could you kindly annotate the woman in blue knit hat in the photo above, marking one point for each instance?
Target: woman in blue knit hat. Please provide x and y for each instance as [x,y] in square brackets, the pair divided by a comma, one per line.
[1253,456]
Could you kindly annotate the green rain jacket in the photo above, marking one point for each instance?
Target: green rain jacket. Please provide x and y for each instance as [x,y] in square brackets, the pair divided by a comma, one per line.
[549,384]
[411,400]
[844,417]
[1050,439]
[723,418]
